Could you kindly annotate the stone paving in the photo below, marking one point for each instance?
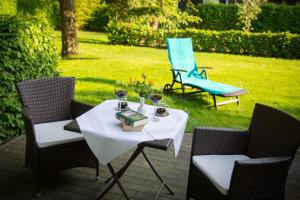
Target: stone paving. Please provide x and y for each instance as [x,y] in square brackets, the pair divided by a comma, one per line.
[16,182]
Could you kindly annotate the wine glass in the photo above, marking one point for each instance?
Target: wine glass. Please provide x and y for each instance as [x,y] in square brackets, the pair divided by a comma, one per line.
[155,97]
[121,93]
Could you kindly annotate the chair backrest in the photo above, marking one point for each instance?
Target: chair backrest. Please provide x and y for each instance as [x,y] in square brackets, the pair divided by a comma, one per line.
[47,99]
[181,55]
[272,133]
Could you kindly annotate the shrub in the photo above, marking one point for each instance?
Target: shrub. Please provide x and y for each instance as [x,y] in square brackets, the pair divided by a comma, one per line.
[248,11]
[284,45]
[218,17]
[84,10]
[27,51]
[99,19]
[278,18]
[41,8]
[274,18]
[8,7]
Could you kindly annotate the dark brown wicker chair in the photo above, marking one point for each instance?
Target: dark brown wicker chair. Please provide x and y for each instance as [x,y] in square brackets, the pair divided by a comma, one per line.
[50,100]
[270,143]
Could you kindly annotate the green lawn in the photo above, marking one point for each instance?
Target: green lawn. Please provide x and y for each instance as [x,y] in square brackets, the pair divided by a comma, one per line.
[275,82]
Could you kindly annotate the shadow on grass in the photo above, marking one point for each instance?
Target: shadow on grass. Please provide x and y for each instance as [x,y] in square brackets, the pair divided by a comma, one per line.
[79,58]
[292,110]
[196,99]
[92,41]
[189,102]
[97,80]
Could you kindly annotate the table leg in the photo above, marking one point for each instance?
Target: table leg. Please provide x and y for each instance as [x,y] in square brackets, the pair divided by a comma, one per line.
[157,175]
[105,189]
[128,163]
[116,178]
[110,184]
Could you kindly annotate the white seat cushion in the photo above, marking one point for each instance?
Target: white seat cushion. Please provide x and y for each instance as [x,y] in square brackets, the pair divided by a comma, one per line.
[53,133]
[218,168]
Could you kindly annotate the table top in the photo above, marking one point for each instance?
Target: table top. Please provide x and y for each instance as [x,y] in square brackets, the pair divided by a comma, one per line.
[104,134]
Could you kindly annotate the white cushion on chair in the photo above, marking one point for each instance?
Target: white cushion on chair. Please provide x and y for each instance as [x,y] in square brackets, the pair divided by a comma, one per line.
[53,133]
[218,168]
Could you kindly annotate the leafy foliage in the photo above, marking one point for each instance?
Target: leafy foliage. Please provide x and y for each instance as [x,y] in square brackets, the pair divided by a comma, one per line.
[278,18]
[217,17]
[247,12]
[274,18]
[27,51]
[142,88]
[99,19]
[84,10]
[145,13]
[8,7]
[284,45]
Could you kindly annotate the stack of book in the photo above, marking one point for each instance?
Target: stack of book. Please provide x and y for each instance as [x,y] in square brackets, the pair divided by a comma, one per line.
[132,120]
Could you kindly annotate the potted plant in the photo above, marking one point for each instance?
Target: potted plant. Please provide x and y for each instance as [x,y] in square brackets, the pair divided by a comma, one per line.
[143,89]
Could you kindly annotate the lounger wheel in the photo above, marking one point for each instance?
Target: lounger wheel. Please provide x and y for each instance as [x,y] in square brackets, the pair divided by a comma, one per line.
[168,89]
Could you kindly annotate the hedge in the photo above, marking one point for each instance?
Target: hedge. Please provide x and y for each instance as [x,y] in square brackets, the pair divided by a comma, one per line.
[8,7]
[274,18]
[283,45]
[99,19]
[218,17]
[27,51]
[90,15]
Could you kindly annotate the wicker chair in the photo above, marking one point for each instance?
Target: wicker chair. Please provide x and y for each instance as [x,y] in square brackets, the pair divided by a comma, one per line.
[244,165]
[50,151]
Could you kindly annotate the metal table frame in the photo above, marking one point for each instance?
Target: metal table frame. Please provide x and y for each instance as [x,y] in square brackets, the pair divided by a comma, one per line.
[115,178]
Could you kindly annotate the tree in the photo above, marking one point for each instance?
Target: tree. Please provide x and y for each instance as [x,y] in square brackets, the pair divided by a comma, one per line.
[248,11]
[68,28]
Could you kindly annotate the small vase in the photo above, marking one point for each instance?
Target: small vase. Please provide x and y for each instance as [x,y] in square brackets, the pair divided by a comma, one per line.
[141,108]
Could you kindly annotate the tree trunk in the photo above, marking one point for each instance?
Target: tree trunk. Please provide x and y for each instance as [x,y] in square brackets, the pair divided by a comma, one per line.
[68,28]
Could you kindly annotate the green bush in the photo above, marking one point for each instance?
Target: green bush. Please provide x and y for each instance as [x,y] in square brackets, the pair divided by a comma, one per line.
[8,7]
[278,18]
[84,10]
[284,45]
[53,14]
[218,17]
[27,51]
[99,19]
[40,8]
[274,18]
[90,15]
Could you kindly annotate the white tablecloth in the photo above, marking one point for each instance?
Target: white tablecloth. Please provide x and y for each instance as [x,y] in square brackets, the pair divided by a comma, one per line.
[107,140]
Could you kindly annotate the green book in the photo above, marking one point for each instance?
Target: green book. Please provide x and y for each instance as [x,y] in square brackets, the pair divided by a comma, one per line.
[132,118]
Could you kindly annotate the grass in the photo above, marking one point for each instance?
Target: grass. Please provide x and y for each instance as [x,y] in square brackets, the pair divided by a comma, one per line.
[270,81]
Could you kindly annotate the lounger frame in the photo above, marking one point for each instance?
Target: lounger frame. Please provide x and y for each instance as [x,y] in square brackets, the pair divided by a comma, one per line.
[168,88]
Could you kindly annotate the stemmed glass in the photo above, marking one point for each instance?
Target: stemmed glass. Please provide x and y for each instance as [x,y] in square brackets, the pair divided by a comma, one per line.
[155,97]
[121,93]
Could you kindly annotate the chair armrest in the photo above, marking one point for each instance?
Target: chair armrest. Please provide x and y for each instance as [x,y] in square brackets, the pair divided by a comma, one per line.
[29,127]
[262,178]
[78,108]
[205,67]
[179,70]
[25,114]
[220,141]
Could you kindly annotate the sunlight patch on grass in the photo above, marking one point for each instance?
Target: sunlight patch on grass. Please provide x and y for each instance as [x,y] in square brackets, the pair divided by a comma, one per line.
[270,81]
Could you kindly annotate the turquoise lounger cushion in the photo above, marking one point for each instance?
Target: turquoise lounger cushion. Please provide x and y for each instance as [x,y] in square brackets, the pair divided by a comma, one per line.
[181,57]
[211,86]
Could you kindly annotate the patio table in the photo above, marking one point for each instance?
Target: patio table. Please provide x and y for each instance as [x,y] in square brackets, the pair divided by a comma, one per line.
[104,135]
